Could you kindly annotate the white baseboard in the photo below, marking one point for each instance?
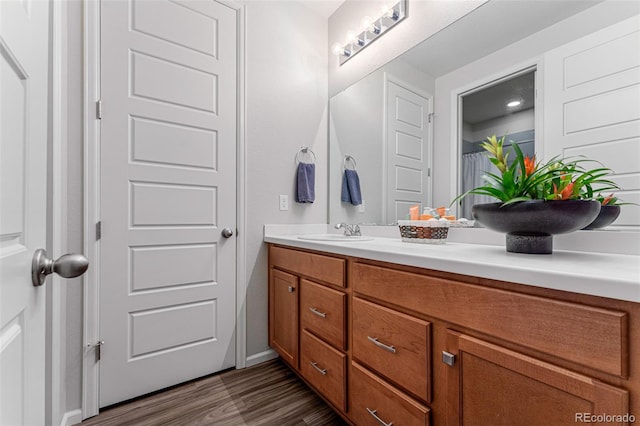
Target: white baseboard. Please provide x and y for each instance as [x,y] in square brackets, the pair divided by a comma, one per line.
[261,357]
[72,417]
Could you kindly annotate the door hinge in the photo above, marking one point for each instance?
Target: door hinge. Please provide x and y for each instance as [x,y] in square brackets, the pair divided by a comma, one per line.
[99,110]
[429,172]
[98,230]
[431,116]
[98,348]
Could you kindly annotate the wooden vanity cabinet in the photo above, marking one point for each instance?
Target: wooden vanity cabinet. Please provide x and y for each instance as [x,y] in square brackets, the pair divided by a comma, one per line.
[508,354]
[310,333]
[406,345]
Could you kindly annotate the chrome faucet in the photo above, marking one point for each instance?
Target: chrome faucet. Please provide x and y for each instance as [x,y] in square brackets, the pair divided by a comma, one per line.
[349,230]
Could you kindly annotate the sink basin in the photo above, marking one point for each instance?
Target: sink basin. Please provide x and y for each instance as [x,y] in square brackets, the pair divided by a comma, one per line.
[336,238]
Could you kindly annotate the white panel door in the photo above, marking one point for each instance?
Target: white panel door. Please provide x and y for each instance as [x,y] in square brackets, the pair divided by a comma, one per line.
[407,151]
[592,106]
[168,188]
[24,46]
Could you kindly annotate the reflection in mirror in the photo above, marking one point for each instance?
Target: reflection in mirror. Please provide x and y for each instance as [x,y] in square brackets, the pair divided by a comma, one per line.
[383,122]
[594,43]
[502,108]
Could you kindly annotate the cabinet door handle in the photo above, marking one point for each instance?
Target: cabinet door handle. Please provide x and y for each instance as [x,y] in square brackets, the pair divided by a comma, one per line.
[322,371]
[448,358]
[374,413]
[291,289]
[318,313]
[379,344]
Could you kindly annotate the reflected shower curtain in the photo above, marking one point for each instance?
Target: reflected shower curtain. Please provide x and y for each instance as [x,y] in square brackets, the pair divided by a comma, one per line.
[474,166]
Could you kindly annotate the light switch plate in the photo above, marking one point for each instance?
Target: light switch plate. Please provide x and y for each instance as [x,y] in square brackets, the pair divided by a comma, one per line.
[284,202]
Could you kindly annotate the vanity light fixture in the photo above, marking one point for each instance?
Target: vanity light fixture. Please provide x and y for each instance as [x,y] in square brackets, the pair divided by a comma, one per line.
[370,30]
[513,104]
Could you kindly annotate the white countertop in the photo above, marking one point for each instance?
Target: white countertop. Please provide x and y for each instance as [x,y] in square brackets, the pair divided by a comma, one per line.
[615,276]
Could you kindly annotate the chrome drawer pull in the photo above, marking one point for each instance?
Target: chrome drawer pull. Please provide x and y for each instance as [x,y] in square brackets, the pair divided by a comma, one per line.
[318,313]
[322,371]
[375,416]
[379,344]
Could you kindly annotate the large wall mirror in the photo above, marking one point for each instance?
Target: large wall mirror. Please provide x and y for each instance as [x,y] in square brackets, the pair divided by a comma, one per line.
[413,126]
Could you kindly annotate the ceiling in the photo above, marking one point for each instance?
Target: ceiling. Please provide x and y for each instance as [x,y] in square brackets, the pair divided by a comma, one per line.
[324,8]
[491,102]
[491,26]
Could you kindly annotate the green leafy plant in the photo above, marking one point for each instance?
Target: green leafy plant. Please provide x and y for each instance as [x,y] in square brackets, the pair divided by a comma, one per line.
[523,179]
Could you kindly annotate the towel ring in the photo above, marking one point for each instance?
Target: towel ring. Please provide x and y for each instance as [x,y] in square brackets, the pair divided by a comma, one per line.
[346,160]
[305,150]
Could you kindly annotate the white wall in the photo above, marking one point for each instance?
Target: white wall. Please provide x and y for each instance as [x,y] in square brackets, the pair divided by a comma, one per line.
[424,18]
[286,108]
[286,102]
[506,60]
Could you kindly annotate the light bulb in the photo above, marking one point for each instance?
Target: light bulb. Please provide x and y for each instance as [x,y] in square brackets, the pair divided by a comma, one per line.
[366,24]
[386,11]
[337,49]
[513,104]
[351,37]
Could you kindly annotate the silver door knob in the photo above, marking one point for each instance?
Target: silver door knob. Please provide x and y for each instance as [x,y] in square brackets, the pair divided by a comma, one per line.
[227,232]
[67,266]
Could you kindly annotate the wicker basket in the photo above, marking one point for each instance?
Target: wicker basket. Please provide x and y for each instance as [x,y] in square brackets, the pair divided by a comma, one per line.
[424,231]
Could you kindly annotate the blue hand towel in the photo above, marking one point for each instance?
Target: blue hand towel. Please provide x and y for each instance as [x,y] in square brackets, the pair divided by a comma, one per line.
[305,183]
[351,188]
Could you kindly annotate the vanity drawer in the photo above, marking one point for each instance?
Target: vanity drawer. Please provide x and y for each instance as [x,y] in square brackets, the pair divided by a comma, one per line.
[590,336]
[372,397]
[322,311]
[323,268]
[394,344]
[325,368]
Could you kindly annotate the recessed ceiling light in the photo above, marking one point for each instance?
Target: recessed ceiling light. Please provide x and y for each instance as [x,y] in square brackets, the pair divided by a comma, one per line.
[513,104]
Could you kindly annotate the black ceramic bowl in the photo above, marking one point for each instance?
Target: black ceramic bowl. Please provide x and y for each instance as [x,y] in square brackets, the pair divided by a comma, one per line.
[530,224]
[607,215]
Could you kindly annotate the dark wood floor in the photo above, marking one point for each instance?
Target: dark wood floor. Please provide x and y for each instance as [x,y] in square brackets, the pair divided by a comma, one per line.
[266,394]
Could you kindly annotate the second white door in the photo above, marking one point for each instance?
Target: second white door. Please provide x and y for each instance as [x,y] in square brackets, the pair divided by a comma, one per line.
[407,151]
[168,191]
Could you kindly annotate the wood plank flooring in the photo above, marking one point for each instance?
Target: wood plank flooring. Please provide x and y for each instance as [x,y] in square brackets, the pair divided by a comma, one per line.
[266,394]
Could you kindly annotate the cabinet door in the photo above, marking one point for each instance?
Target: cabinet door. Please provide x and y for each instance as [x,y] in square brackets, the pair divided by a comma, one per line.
[283,315]
[491,385]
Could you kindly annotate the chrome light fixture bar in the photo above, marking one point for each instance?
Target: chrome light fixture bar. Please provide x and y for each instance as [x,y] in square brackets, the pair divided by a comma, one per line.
[370,30]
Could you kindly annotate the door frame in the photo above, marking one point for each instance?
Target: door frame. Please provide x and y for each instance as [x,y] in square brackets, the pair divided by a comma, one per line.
[455,126]
[57,243]
[91,199]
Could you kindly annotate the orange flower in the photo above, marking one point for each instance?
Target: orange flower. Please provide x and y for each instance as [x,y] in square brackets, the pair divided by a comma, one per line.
[566,193]
[529,165]
[607,200]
